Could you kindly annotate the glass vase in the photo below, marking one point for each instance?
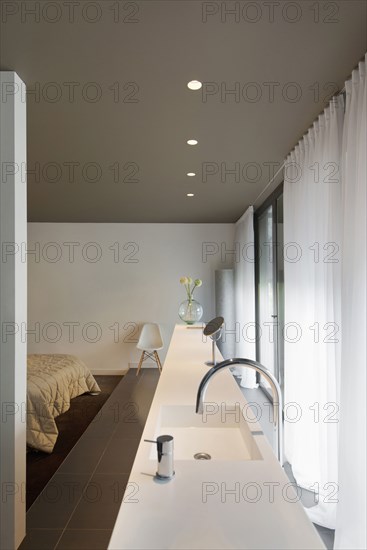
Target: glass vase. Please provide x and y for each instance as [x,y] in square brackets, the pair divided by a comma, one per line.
[190,311]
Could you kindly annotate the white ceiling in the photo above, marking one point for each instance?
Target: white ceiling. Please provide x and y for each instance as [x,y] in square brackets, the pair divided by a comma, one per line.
[168,46]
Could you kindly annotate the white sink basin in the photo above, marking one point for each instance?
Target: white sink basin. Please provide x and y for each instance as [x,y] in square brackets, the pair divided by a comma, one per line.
[221,432]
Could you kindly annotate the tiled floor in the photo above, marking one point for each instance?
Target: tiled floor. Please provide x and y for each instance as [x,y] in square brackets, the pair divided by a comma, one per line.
[78,507]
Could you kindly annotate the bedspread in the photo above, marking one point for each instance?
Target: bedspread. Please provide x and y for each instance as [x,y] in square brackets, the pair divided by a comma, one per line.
[53,380]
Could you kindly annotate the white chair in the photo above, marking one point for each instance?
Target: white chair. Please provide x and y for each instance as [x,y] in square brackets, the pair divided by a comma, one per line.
[150,341]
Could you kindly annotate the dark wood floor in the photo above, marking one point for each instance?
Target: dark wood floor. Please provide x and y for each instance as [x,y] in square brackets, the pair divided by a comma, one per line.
[78,507]
[71,425]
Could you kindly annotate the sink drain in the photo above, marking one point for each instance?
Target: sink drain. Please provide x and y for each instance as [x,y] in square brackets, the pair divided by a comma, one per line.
[202,456]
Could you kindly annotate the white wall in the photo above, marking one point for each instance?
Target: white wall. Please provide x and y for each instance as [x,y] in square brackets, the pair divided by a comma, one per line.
[140,285]
[13,299]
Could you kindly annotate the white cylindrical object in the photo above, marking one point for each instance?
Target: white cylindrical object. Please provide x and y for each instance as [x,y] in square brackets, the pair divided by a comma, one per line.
[224,306]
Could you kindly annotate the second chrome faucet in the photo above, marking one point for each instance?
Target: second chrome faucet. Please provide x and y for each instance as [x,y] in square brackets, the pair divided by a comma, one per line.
[277,394]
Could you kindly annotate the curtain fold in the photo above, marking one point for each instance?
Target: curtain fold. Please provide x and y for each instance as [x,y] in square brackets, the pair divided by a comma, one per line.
[351,512]
[244,287]
[312,273]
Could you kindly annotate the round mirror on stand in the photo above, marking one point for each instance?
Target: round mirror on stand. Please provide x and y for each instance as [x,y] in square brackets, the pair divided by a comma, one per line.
[213,329]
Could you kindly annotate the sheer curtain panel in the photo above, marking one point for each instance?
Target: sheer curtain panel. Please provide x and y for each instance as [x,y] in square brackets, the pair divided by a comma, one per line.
[351,512]
[312,273]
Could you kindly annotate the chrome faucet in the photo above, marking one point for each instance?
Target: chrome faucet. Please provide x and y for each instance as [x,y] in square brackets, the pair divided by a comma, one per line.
[277,395]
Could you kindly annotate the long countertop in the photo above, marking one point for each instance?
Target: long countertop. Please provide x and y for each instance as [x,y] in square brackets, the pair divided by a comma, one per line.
[247,504]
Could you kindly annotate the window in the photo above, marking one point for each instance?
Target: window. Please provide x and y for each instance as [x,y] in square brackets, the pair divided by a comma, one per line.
[269,277]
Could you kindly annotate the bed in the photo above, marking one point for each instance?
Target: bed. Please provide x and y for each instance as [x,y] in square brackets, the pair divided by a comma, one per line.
[53,380]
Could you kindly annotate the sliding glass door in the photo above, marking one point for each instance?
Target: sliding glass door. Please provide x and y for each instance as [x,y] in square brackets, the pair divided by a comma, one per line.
[280,288]
[270,285]
[266,295]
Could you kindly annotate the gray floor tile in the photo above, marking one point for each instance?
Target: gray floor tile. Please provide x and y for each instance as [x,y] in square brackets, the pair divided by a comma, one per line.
[55,505]
[130,412]
[327,536]
[100,502]
[85,539]
[134,407]
[308,498]
[129,381]
[104,423]
[85,456]
[130,430]
[119,456]
[129,403]
[41,539]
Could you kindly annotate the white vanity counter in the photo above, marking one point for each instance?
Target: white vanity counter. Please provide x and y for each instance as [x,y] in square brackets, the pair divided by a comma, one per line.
[213,504]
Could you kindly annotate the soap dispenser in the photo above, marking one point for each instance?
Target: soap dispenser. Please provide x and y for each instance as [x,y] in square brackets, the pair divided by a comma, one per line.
[165,456]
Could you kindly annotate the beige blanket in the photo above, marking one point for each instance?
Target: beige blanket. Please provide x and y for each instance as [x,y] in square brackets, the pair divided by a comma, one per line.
[53,380]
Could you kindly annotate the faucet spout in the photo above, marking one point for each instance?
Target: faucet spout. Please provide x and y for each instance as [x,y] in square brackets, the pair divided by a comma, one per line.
[276,391]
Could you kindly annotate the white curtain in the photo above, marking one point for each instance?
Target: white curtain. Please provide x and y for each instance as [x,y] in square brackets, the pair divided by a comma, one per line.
[244,285]
[312,241]
[351,511]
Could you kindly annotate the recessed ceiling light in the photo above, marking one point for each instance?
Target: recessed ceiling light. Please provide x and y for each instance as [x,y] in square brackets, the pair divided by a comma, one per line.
[191,174]
[194,85]
[192,142]
[190,194]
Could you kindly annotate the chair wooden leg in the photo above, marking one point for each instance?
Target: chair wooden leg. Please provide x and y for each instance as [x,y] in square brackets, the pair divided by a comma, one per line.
[158,361]
[140,363]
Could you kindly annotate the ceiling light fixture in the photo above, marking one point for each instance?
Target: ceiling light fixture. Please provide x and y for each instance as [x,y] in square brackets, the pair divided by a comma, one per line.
[190,194]
[192,142]
[194,85]
[191,174]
